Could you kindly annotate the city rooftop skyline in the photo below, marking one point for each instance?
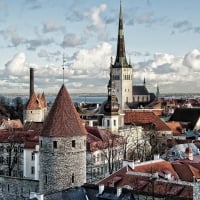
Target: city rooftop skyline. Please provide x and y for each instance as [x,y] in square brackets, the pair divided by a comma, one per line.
[161,40]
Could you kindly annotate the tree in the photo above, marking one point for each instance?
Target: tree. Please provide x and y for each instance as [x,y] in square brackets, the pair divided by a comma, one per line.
[16,111]
[11,152]
[112,149]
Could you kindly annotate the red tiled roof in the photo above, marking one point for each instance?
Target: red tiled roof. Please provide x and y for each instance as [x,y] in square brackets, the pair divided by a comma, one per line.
[120,173]
[7,136]
[143,184]
[100,139]
[31,140]
[28,138]
[14,123]
[144,117]
[63,119]
[183,171]
[35,102]
[156,166]
[176,128]
[187,169]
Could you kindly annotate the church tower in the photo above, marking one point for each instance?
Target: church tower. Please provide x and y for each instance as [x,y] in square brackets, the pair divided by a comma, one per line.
[122,71]
[62,143]
[111,107]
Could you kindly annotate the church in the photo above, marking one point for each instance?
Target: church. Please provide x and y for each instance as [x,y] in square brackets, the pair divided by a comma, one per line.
[128,95]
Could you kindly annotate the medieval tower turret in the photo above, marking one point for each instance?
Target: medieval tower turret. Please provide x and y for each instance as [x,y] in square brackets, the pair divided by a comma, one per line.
[62,147]
[122,71]
[36,108]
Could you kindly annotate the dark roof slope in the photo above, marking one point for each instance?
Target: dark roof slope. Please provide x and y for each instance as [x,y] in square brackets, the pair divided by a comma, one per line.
[63,119]
[186,115]
[140,90]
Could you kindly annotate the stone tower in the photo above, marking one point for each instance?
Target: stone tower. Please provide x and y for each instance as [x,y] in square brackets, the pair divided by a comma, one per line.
[122,71]
[62,147]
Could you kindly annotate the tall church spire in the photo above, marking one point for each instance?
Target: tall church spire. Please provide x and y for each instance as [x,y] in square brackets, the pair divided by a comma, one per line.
[121,53]
[122,70]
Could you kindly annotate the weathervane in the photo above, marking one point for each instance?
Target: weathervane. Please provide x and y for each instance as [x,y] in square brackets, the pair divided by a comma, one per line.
[63,67]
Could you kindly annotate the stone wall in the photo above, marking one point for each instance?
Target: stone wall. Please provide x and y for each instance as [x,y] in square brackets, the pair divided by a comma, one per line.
[62,166]
[17,188]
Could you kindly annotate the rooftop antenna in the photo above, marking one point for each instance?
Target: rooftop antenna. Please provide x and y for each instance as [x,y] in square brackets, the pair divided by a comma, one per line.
[63,67]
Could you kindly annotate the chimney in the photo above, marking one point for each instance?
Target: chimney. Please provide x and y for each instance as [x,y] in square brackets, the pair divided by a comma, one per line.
[31,81]
[119,191]
[101,188]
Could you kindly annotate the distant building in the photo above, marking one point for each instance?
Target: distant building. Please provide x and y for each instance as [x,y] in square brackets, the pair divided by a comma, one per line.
[105,153]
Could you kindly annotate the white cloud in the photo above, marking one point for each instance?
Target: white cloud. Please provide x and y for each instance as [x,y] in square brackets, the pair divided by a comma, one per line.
[51,26]
[95,17]
[71,40]
[89,68]
[192,60]
[17,66]
[170,70]
[93,61]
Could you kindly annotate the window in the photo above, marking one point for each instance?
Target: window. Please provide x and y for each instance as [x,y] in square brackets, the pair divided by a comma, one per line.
[41,143]
[73,143]
[114,122]
[55,144]
[15,160]
[101,170]
[102,157]
[108,123]
[1,148]
[21,149]
[32,170]
[8,188]
[94,158]
[14,173]
[21,174]
[98,157]
[72,177]
[1,160]
[106,169]
[8,149]
[46,179]
[1,172]
[32,156]
[15,149]
[7,159]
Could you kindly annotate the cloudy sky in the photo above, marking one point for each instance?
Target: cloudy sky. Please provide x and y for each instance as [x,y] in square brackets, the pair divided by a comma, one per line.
[162,41]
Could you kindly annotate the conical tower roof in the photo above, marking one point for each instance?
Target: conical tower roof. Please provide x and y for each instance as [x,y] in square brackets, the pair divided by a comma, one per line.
[63,119]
